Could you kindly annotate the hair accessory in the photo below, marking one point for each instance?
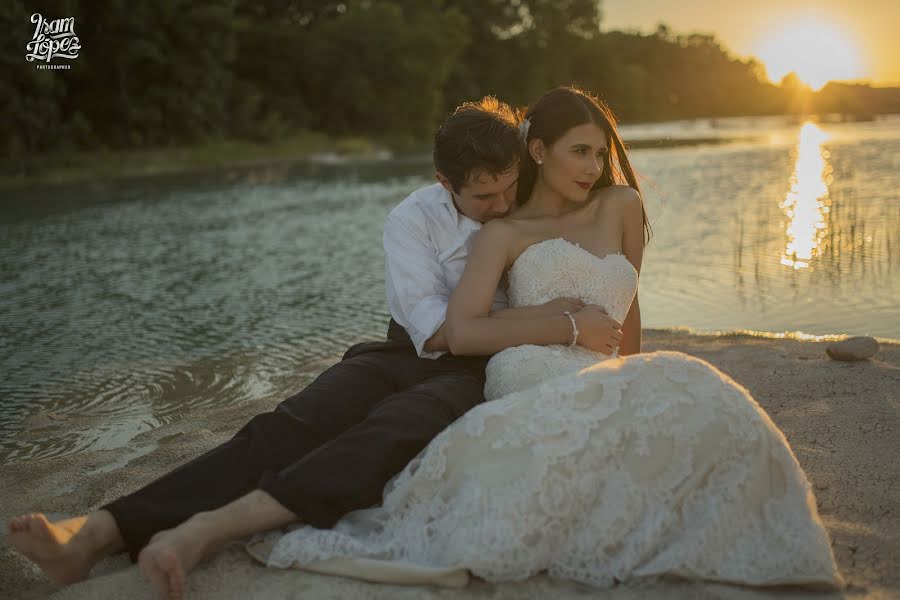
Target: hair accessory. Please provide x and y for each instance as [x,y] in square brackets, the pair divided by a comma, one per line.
[523,129]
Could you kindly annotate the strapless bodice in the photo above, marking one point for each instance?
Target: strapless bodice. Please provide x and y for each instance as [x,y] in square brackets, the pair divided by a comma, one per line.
[558,268]
[551,269]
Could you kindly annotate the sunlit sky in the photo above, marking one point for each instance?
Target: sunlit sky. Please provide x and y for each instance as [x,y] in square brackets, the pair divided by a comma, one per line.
[853,40]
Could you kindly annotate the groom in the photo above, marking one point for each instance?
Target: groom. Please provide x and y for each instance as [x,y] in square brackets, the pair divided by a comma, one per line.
[332,447]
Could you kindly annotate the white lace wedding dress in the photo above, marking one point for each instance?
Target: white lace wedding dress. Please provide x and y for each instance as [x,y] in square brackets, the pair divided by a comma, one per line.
[595,469]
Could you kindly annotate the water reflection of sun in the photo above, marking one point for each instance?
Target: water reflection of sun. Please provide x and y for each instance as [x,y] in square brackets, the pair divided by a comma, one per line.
[807,203]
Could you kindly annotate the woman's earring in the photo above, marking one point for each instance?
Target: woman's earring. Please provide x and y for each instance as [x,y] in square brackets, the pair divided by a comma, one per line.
[539,162]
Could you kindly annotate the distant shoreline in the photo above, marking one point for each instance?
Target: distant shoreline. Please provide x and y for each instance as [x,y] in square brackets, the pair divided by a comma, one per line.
[73,167]
[109,165]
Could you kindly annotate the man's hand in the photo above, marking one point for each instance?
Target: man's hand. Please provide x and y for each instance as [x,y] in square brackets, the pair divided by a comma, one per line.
[437,342]
[597,330]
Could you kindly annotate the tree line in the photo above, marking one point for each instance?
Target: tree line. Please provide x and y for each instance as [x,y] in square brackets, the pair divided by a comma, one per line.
[170,72]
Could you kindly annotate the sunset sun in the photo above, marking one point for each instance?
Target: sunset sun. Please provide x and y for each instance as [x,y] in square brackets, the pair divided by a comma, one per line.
[817,51]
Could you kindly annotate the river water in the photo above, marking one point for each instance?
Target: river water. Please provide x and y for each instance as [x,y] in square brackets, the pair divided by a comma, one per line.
[131,304]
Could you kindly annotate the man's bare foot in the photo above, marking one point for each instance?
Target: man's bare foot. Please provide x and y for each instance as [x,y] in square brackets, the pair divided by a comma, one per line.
[61,549]
[171,554]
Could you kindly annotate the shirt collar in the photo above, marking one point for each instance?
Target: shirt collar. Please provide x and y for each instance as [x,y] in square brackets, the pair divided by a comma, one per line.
[462,221]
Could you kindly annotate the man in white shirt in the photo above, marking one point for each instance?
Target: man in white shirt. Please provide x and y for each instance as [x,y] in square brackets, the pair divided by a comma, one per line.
[426,242]
[332,447]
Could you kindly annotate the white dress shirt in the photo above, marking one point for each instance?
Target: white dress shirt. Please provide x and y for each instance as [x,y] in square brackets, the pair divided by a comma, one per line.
[426,243]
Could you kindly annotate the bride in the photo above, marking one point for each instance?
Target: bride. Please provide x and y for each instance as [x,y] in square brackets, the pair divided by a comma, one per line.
[595,467]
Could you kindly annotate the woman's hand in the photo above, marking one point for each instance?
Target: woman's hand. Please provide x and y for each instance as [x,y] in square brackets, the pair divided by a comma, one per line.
[597,331]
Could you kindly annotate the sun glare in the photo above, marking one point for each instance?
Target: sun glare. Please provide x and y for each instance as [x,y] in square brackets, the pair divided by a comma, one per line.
[817,51]
[807,204]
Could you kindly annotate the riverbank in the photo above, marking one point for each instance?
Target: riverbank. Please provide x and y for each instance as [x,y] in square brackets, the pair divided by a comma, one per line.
[77,167]
[68,168]
[840,418]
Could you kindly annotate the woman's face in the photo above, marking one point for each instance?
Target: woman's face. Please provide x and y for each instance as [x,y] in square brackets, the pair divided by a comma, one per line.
[574,162]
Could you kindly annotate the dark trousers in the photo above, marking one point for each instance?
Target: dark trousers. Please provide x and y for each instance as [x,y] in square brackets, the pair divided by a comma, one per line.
[323,452]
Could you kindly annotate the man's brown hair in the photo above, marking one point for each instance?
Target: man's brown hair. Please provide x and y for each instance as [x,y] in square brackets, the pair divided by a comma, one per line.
[478,136]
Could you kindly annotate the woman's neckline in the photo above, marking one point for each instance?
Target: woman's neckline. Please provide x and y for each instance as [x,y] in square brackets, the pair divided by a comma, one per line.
[572,244]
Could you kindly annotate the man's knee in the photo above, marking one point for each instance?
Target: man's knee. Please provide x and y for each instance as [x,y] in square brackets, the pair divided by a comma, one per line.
[267,424]
[355,350]
[344,377]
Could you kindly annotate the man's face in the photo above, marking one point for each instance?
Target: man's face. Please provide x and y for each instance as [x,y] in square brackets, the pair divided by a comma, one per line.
[486,195]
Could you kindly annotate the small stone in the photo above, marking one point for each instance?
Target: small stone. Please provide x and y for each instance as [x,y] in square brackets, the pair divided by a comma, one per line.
[854,348]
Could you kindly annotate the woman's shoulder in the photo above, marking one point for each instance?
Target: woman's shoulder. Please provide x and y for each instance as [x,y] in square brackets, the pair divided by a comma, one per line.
[615,200]
[496,236]
[498,230]
[508,237]
[616,195]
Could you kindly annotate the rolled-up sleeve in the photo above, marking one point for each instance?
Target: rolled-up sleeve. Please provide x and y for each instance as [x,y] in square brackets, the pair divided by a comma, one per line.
[417,293]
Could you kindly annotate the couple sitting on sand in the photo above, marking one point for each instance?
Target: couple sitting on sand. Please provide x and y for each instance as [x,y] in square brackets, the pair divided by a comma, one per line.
[508,425]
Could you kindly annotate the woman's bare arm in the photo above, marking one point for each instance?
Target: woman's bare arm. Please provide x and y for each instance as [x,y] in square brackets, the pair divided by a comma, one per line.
[558,306]
[470,328]
[633,248]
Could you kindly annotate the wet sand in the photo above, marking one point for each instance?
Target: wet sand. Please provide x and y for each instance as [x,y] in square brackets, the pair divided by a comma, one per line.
[840,418]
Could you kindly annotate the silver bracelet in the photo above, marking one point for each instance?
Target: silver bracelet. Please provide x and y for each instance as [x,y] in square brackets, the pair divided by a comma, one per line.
[574,327]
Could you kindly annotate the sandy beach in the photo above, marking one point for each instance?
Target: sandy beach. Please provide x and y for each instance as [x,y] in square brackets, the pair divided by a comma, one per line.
[841,419]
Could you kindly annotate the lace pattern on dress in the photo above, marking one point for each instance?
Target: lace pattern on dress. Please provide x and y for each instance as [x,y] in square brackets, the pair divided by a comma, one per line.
[592,468]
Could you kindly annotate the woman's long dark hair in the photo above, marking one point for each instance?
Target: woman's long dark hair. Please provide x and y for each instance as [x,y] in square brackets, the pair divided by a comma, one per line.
[558,111]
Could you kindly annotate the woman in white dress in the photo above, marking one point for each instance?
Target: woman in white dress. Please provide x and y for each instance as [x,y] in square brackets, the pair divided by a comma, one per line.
[595,464]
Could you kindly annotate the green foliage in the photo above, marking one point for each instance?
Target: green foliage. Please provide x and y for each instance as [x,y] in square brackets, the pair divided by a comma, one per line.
[380,67]
[176,72]
[32,117]
[153,73]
